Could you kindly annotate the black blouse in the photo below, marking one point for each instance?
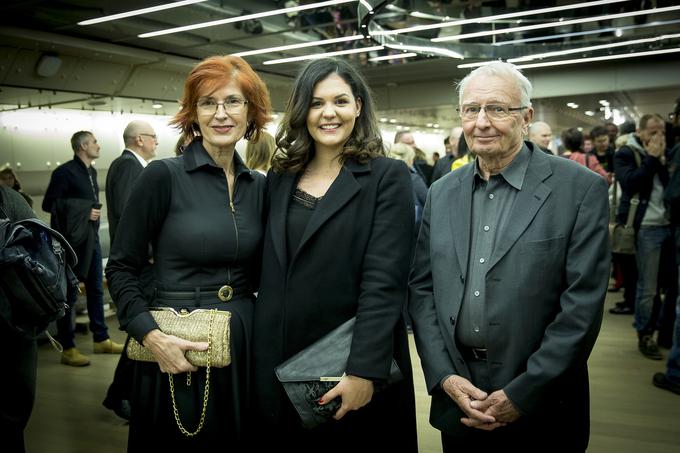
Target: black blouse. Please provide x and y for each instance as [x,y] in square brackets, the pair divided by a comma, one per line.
[300,210]
[181,207]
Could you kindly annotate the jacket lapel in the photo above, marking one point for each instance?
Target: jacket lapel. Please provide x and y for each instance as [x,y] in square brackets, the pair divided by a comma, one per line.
[529,200]
[280,197]
[460,195]
[343,189]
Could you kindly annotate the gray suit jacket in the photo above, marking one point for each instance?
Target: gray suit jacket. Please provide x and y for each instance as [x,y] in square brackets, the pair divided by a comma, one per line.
[545,288]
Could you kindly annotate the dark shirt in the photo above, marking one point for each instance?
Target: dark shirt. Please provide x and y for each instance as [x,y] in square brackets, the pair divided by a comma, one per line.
[181,206]
[492,203]
[606,160]
[300,210]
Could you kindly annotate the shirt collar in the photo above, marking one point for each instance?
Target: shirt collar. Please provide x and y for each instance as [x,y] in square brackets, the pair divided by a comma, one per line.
[514,173]
[195,157]
[139,158]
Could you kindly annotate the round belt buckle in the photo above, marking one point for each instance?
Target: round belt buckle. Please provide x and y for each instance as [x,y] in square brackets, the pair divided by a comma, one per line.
[225,293]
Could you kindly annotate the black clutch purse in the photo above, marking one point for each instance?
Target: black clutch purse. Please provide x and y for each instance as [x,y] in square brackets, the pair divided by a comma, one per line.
[312,372]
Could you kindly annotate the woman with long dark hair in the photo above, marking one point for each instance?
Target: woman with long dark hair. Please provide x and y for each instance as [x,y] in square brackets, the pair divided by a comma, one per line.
[337,245]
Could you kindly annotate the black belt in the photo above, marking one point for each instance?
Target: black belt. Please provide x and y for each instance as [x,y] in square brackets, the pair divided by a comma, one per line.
[473,353]
[224,293]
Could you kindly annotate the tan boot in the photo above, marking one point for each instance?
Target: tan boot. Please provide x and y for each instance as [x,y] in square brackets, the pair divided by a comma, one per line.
[73,357]
[107,347]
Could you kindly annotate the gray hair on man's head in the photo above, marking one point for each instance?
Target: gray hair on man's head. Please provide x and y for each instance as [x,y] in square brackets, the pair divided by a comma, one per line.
[503,70]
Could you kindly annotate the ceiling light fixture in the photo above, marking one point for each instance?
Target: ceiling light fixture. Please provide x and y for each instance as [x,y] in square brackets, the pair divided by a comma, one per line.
[139,12]
[540,56]
[659,23]
[230,20]
[426,49]
[157,105]
[322,55]
[602,58]
[323,42]
[394,56]
[497,17]
[560,23]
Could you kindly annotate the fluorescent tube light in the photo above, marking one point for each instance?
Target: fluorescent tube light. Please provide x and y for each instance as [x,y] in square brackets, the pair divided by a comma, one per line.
[395,56]
[659,23]
[540,56]
[603,58]
[230,20]
[323,42]
[426,49]
[323,55]
[556,24]
[497,17]
[139,12]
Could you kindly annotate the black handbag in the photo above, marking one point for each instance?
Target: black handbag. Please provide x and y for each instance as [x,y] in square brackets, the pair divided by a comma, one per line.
[312,372]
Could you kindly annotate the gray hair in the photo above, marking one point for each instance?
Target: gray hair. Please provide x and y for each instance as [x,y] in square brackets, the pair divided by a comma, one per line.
[79,138]
[503,70]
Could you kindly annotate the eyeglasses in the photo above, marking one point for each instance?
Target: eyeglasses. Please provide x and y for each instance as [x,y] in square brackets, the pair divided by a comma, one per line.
[233,106]
[149,135]
[498,112]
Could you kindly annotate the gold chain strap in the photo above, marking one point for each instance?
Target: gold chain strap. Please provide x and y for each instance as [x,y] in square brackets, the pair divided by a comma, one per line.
[205,393]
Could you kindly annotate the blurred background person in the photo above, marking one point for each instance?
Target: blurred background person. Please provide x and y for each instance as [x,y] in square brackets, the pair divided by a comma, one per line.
[541,134]
[259,154]
[9,178]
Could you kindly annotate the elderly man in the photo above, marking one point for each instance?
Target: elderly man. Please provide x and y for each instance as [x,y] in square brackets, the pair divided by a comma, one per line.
[72,199]
[508,281]
[443,165]
[541,134]
[140,147]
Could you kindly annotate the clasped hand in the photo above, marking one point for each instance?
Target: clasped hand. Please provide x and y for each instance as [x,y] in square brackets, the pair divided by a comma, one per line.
[169,351]
[354,391]
[484,411]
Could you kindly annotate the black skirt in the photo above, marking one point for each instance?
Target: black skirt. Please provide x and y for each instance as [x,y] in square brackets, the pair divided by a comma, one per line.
[153,425]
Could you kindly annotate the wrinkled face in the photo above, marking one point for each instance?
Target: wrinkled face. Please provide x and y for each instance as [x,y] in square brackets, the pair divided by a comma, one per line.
[225,124]
[332,114]
[601,143]
[494,138]
[654,127]
[148,142]
[90,147]
[542,135]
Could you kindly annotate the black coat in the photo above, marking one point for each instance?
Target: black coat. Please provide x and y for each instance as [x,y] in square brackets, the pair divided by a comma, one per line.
[119,180]
[353,259]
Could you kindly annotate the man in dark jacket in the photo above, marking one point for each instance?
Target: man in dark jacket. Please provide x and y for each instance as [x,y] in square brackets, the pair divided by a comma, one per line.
[443,165]
[648,180]
[73,193]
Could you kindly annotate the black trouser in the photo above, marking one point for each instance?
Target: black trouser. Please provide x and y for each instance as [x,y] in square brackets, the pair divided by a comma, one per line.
[17,381]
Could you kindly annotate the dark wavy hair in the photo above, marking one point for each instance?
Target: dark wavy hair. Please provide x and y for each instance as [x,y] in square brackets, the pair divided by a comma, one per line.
[210,75]
[572,139]
[295,144]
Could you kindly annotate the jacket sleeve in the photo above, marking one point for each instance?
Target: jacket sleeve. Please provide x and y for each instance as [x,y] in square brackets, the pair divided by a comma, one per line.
[384,274]
[570,337]
[139,225]
[57,188]
[631,177]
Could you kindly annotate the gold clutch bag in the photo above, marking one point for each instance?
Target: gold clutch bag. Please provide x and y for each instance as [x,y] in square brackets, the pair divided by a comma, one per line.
[208,326]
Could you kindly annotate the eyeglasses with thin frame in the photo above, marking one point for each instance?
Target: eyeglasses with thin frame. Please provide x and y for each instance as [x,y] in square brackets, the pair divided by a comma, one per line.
[232,105]
[149,135]
[498,112]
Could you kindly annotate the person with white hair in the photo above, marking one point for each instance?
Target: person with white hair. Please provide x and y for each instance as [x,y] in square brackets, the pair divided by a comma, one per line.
[541,134]
[508,281]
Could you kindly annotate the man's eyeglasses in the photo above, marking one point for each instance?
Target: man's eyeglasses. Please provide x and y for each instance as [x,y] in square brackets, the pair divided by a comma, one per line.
[149,135]
[499,112]
[233,106]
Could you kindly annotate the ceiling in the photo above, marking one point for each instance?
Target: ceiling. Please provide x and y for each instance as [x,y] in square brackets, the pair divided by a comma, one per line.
[48,60]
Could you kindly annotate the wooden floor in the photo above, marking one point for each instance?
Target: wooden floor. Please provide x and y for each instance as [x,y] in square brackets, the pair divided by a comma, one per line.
[628,413]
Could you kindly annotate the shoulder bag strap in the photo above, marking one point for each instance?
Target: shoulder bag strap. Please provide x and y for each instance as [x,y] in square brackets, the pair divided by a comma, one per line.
[635,201]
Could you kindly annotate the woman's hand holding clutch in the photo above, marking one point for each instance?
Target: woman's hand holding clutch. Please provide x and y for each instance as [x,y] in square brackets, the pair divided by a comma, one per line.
[355,392]
[169,351]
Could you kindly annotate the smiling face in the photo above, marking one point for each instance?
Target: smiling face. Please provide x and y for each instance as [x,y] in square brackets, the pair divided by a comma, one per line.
[221,129]
[498,138]
[332,114]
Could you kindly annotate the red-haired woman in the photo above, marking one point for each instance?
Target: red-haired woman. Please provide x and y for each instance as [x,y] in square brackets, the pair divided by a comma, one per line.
[202,214]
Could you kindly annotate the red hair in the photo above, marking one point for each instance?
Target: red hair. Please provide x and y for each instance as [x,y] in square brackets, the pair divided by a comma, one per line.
[211,74]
